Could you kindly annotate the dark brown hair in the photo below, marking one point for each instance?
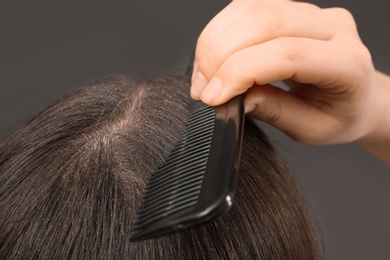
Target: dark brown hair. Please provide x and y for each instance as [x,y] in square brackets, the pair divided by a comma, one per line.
[72,178]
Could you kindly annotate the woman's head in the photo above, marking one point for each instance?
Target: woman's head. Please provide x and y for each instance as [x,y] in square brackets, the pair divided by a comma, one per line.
[72,179]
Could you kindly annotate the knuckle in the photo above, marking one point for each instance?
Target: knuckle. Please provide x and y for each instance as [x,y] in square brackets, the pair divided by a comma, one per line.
[309,6]
[364,53]
[208,52]
[292,49]
[272,116]
[363,65]
[210,59]
[361,55]
[270,108]
[209,62]
[268,19]
[239,67]
[344,15]
[238,62]
[342,12]
[310,136]
[204,39]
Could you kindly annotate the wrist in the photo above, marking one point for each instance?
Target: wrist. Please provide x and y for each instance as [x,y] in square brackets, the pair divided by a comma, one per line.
[377,140]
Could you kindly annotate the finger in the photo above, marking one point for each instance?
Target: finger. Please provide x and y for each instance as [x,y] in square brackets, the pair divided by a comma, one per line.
[307,20]
[259,25]
[300,120]
[227,17]
[303,60]
[222,21]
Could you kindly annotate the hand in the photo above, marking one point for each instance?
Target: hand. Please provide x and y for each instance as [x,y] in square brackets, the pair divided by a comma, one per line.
[333,94]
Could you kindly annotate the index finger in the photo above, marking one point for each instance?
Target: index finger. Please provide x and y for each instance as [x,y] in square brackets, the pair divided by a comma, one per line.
[235,11]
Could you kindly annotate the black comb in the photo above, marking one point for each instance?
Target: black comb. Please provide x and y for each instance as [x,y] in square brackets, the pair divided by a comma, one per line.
[196,183]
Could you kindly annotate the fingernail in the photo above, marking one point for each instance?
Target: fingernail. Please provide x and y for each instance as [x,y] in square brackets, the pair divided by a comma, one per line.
[212,91]
[194,72]
[198,84]
[250,108]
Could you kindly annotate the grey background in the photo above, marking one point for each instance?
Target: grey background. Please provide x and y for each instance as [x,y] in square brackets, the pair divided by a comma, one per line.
[48,49]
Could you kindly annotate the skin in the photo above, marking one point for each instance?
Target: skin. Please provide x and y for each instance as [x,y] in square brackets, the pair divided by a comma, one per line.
[335,95]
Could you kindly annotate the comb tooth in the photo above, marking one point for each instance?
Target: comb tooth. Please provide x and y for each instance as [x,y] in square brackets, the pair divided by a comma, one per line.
[160,209]
[168,197]
[201,114]
[186,157]
[195,124]
[198,127]
[176,201]
[201,110]
[182,171]
[195,144]
[158,197]
[176,185]
[181,168]
[200,117]
[193,169]
[198,134]
[185,203]
[192,135]
[171,197]
[140,226]
[192,151]
[173,171]
[177,179]
[193,166]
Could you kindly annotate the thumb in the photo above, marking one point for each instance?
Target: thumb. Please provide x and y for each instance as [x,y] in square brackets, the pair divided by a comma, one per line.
[302,120]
